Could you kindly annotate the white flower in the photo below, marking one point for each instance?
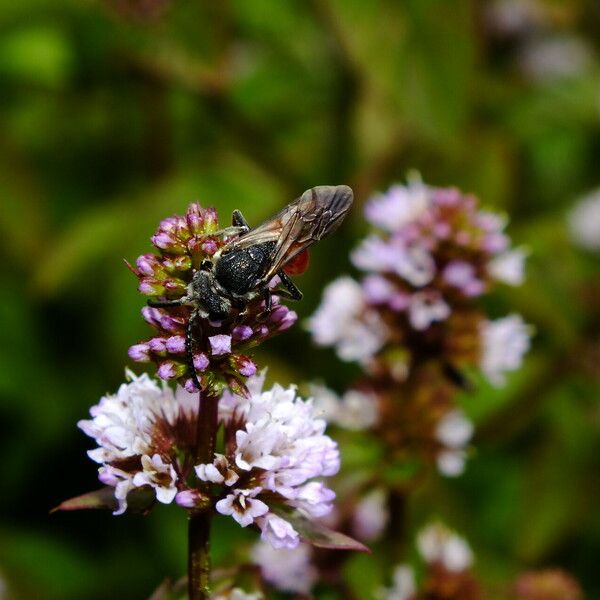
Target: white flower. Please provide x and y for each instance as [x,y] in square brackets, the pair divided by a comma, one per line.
[513,17]
[288,570]
[355,410]
[556,57]
[122,424]
[504,342]
[162,477]
[278,532]
[438,544]
[413,263]
[425,308]
[343,320]
[454,429]
[403,585]
[509,266]
[279,444]
[219,471]
[398,206]
[243,506]
[584,221]
[451,463]
[371,515]
[125,426]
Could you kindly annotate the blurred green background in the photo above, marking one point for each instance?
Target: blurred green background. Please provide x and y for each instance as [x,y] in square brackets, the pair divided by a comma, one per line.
[115,114]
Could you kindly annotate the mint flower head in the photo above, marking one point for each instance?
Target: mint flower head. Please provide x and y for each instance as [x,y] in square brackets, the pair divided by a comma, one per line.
[220,348]
[267,473]
[432,254]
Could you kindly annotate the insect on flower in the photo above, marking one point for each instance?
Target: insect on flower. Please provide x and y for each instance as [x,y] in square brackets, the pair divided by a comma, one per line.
[242,270]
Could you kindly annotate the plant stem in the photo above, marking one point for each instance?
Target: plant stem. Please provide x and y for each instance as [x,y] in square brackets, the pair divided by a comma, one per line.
[199,521]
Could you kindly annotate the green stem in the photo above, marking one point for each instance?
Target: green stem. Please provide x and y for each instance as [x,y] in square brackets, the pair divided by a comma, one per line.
[199,520]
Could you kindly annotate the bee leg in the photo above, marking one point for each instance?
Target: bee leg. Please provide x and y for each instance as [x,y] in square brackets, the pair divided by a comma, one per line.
[165,303]
[232,230]
[289,288]
[268,298]
[238,220]
[192,327]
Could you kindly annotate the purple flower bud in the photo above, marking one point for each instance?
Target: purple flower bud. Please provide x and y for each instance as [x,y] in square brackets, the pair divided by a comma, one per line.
[171,324]
[190,498]
[446,196]
[168,225]
[194,218]
[168,243]
[176,344]
[151,287]
[201,361]
[211,220]
[174,285]
[158,345]
[147,264]
[209,246]
[246,366]
[139,352]
[190,386]
[262,331]
[279,313]
[241,333]
[152,316]
[169,369]
[220,344]
[288,321]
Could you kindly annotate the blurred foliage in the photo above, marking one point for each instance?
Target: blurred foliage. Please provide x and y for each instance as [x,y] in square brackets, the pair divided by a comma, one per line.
[116,114]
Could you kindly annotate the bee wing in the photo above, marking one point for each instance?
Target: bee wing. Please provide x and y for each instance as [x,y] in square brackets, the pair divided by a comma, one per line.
[308,219]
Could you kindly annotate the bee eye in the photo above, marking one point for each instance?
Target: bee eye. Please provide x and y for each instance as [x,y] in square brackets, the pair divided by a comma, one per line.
[206,265]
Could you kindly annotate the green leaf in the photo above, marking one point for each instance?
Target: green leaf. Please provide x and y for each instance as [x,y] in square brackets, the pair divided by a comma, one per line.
[317,534]
[139,500]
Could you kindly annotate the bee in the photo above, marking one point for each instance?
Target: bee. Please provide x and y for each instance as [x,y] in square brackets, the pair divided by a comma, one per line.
[242,270]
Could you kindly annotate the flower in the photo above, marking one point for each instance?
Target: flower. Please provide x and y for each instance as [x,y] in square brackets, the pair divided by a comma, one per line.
[504,341]
[454,431]
[243,506]
[371,515]
[276,443]
[433,253]
[509,267]
[288,570]
[139,432]
[403,585]
[343,321]
[219,348]
[584,221]
[275,450]
[355,410]
[557,57]
[440,545]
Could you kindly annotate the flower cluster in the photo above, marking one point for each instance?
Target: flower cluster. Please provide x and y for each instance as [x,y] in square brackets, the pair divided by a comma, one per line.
[414,323]
[448,560]
[434,253]
[274,450]
[220,348]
